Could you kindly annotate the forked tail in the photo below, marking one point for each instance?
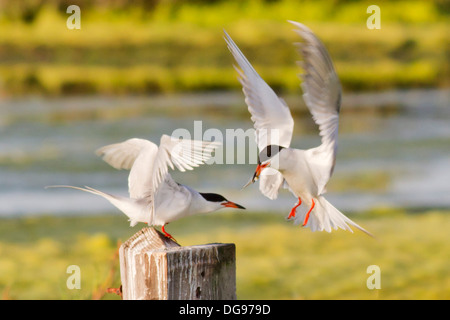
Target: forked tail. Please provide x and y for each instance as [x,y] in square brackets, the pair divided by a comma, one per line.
[133,208]
[325,217]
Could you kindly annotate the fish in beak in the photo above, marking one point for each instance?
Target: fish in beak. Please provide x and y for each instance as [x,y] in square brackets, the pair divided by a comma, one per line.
[255,177]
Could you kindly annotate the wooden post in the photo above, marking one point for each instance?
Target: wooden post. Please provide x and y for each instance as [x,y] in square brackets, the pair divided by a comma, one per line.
[155,267]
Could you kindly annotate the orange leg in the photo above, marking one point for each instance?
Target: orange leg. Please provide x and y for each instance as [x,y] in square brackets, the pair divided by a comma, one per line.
[167,234]
[292,213]
[307,215]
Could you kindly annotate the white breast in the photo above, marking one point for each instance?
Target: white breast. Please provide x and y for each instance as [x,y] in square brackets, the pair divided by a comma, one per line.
[297,173]
[172,202]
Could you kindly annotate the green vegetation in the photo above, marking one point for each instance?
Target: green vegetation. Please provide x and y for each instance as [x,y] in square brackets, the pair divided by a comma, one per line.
[162,46]
[275,260]
[167,46]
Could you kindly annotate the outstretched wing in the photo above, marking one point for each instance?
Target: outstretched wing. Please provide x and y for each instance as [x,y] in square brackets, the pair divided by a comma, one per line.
[149,163]
[184,154]
[122,155]
[271,116]
[137,155]
[322,94]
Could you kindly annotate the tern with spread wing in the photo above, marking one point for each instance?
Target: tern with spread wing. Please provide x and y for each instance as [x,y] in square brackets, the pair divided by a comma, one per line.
[155,198]
[304,172]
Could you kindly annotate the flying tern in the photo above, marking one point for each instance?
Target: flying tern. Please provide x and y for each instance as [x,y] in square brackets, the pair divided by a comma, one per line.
[154,197]
[304,172]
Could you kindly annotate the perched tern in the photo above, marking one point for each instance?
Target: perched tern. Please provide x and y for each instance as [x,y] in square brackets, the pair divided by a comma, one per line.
[304,172]
[155,198]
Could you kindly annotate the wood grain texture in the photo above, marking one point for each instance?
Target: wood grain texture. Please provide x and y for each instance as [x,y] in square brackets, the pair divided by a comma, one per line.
[155,267]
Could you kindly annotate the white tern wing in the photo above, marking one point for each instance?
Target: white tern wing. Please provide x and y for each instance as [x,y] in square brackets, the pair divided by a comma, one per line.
[139,156]
[149,163]
[184,154]
[122,155]
[271,116]
[322,94]
[270,181]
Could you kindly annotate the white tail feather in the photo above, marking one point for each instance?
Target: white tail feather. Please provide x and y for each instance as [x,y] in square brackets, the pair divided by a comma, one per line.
[325,217]
[135,209]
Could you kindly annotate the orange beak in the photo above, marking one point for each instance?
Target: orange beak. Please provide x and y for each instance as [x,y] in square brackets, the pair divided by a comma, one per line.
[258,170]
[230,204]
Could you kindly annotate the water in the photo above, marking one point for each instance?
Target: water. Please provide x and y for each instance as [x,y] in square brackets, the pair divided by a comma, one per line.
[393,149]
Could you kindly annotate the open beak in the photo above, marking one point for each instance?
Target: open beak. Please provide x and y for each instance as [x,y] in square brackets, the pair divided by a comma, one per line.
[230,204]
[255,177]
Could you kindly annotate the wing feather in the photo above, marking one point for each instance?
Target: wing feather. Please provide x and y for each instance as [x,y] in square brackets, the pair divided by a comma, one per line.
[271,116]
[149,163]
[322,94]
[122,155]
[184,154]
[270,181]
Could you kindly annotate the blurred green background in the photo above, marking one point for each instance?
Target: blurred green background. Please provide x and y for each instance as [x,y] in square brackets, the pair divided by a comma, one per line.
[165,46]
[142,68]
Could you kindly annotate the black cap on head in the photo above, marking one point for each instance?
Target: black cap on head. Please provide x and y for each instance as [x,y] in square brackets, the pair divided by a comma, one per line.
[268,152]
[213,197]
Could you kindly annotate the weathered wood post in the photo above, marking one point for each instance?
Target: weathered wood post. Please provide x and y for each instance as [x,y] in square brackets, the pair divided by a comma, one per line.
[155,267]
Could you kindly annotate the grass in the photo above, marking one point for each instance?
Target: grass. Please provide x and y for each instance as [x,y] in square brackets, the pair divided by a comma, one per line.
[179,46]
[275,260]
